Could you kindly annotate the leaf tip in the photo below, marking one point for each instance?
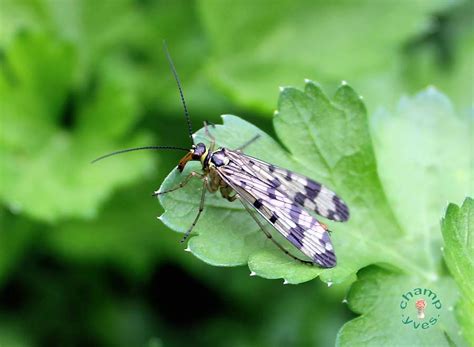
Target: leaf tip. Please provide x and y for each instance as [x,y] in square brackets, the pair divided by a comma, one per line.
[329,283]
[285,281]
[343,83]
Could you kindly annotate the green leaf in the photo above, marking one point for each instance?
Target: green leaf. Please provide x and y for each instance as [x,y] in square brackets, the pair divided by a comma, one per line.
[458,234]
[45,148]
[130,45]
[81,24]
[418,157]
[114,238]
[18,15]
[444,57]
[329,140]
[421,168]
[312,128]
[61,64]
[321,32]
[378,295]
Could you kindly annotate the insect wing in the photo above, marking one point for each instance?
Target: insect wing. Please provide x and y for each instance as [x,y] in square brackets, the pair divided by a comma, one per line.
[287,217]
[304,191]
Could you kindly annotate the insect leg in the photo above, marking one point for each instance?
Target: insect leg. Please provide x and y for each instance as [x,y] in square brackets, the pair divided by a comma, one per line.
[201,208]
[208,134]
[181,185]
[253,139]
[232,197]
[226,193]
[269,235]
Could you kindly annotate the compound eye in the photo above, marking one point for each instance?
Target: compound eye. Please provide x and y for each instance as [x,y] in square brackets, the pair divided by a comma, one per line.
[199,151]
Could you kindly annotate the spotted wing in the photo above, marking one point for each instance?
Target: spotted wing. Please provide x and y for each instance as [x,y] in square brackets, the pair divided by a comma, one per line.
[302,190]
[287,217]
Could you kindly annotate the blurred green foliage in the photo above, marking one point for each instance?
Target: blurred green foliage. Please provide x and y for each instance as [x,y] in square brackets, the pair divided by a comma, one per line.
[83,260]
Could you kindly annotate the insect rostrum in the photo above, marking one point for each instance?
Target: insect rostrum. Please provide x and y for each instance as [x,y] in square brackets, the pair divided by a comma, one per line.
[271,195]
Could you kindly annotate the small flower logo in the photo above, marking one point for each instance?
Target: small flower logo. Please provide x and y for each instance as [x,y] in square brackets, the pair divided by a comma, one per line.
[426,311]
[420,307]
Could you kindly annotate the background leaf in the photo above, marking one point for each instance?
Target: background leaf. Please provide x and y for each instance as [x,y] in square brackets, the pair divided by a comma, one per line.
[371,46]
[458,254]
[422,169]
[377,295]
[49,174]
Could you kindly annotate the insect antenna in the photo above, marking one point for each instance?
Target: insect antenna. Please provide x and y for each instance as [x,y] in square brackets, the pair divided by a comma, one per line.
[178,82]
[139,149]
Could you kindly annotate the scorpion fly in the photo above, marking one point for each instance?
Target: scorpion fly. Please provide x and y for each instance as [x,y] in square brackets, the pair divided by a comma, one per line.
[272,195]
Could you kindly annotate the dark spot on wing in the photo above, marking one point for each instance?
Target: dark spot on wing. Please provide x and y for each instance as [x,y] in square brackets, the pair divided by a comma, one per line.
[257,203]
[327,259]
[273,218]
[275,182]
[312,189]
[295,213]
[288,176]
[294,239]
[325,238]
[341,209]
[271,193]
[271,168]
[299,198]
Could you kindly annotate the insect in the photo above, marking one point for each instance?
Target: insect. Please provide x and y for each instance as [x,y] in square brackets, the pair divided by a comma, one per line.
[272,195]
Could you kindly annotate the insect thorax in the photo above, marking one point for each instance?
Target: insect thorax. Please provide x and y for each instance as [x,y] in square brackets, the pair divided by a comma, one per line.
[218,158]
